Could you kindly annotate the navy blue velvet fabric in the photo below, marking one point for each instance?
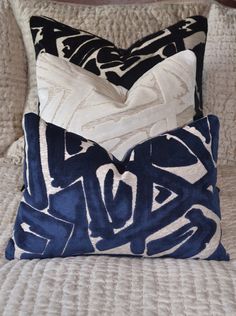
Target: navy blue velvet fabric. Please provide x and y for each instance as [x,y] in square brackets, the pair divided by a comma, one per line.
[161,200]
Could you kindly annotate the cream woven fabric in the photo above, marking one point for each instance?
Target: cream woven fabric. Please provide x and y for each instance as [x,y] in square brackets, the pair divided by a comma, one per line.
[219,87]
[116,118]
[13,77]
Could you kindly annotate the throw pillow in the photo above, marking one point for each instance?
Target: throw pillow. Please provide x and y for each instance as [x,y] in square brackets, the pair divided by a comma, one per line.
[83,103]
[161,201]
[13,79]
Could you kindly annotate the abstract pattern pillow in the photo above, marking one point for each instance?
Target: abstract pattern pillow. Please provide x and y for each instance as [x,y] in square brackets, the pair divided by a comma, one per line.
[122,66]
[83,103]
[161,201]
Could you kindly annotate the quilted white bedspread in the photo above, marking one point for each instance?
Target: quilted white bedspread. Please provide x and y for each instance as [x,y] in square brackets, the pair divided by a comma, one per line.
[102,285]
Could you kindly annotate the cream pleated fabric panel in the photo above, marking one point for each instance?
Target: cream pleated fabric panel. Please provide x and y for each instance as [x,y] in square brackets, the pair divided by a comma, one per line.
[219,86]
[13,77]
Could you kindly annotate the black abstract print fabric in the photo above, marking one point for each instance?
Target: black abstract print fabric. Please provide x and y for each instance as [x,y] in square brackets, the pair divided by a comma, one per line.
[122,66]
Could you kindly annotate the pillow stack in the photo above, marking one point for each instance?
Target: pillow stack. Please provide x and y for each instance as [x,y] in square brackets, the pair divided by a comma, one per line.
[114,163]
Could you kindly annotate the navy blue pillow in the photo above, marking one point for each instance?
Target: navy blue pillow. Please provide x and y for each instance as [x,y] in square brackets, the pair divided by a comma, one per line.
[160,201]
[122,66]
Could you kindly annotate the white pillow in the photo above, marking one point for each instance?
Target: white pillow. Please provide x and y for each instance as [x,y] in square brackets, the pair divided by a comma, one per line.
[83,103]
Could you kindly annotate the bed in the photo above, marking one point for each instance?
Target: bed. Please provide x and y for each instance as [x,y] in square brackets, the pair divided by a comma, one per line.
[106,285]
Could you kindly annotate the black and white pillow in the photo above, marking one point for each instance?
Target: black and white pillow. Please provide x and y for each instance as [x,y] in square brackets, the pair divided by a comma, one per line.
[122,66]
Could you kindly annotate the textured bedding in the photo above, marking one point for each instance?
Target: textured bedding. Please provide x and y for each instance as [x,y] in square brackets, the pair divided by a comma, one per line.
[13,80]
[111,286]
[102,285]
[219,87]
